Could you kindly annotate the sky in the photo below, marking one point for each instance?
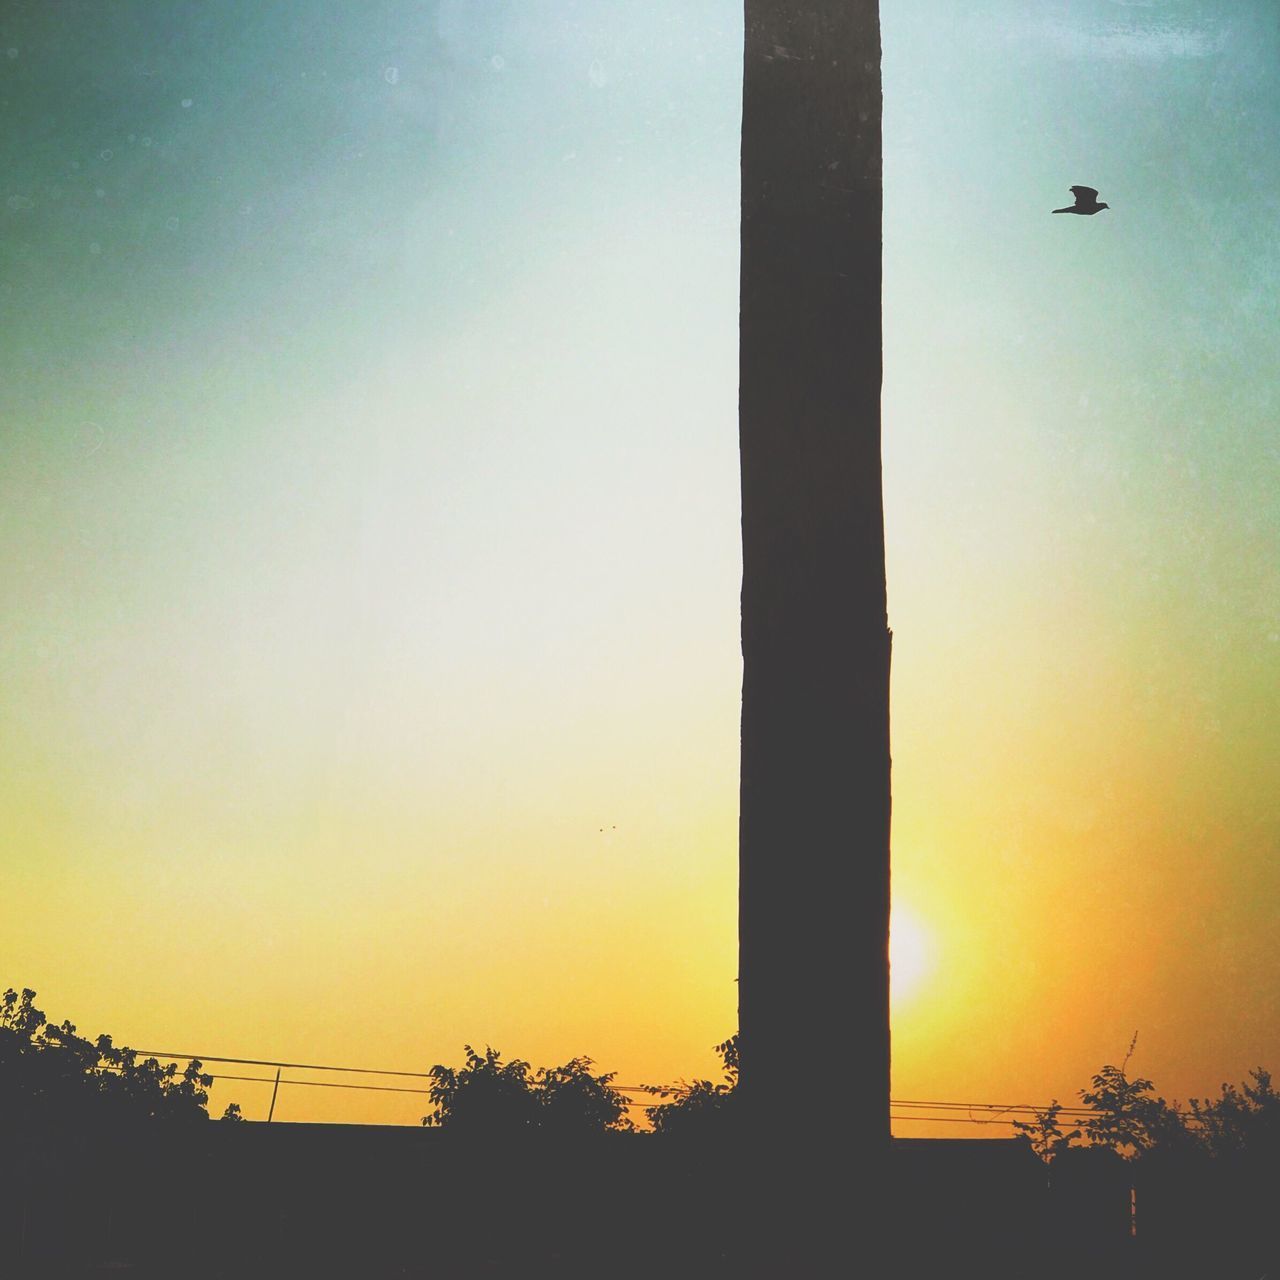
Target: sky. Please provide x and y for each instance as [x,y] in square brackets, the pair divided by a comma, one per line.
[369,544]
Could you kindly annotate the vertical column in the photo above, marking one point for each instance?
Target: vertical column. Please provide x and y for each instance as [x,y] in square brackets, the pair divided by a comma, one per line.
[814,826]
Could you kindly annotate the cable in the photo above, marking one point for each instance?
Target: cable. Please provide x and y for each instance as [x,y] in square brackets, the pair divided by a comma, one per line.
[990,1106]
[325,1084]
[949,1120]
[1019,1108]
[333,1084]
[312,1066]
[371,1088]
[265,1062]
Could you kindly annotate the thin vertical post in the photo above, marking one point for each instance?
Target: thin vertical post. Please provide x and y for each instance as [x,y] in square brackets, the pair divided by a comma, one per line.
[275,1088]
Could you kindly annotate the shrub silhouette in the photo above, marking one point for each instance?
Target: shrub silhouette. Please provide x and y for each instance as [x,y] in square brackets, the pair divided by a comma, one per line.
[1128,1116]
[487,1097]
[698,1108]
[572,1100]
[1045,1133]
[1243,1121]
[52,1077]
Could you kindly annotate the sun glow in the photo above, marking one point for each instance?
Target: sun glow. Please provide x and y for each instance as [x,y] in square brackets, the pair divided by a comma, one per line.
[910,955]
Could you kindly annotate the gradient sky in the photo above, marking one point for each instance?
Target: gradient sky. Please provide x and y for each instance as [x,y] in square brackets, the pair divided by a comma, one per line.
[369,534]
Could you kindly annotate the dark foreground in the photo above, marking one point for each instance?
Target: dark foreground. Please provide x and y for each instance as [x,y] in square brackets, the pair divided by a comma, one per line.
[252,1200]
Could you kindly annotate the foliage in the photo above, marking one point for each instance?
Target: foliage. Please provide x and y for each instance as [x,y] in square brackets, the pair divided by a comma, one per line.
[51,1075]
[1045,1133]
[488,1097]
[1240,1121]
[700,1106]
[573,1100]
[1128,1116]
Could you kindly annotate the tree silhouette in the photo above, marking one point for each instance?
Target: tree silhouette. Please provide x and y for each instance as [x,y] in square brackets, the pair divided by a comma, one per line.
[698,1108]
[1128,1116]
[53,1077]
[1045,1133]
[487,1097]
[572,1100]
[1243,1121]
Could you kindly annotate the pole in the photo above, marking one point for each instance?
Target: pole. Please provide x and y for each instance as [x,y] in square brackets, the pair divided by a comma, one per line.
[814,813]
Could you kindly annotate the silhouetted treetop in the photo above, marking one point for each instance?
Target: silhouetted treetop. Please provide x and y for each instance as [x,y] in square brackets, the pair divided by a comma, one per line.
[699,1108]
[1045,1133]
[1125,1115]
[1243,1121]
[487,1097]
[53,1077]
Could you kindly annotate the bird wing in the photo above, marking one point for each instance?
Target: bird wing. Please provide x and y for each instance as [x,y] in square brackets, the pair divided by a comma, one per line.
[1084,195]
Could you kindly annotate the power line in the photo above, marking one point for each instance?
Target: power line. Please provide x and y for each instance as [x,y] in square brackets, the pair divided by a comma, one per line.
[334,1084]
[324,1084]
[916,1105]
[919,1118]
[990,1106]
[267,1062]
[950,1120]
[313,1066]
[370,1088]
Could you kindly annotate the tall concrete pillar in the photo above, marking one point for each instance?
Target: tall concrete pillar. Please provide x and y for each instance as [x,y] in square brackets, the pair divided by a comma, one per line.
[814,833]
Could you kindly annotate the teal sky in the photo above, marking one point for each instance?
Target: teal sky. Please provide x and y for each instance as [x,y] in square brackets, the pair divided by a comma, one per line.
[369,551]
[1083,525]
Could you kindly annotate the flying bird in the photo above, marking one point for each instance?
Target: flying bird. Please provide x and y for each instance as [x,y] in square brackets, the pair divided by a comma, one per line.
[1086,201]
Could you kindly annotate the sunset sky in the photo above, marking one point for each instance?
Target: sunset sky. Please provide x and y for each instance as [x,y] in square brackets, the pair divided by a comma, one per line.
[369,547]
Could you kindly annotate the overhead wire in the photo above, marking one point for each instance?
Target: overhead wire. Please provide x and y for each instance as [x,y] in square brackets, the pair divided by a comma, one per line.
[920,1110]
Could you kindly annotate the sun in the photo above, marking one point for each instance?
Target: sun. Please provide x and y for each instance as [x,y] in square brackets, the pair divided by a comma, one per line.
[910,954]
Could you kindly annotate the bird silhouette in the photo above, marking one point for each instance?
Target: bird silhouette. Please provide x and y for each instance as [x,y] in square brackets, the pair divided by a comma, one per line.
[1086,201]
